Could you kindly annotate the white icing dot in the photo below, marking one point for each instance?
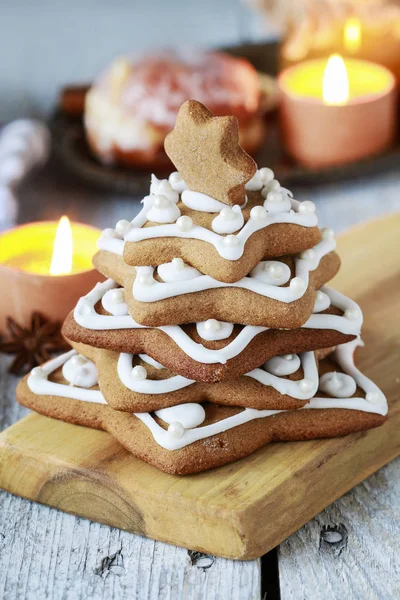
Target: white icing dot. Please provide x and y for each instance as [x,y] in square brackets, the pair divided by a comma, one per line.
[297,284]
[255,183]
[308,254]
[117,296]
[227,213]
[161,201]
[229,220]
[146,279]
[277,201]
[275,196]
[322,302]
[164,187]
[122,227]
[212,325]
[307,207]
[178,263]
[328,233]
[306,385]
[352,314]
[374,397]
[177,271]
[266,174]
[188,415]
[184,223]
[163,210]
[175,177]
[231,240]
[139,373]
[258,213]
[270,186]
[176,429]
[177,182]
[272,272]
[283,365]
[337,385]
[38,373]
[212,330]
[80,371]
[110,233]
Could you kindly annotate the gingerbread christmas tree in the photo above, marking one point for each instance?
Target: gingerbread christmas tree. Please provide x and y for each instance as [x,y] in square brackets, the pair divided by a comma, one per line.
[215,332]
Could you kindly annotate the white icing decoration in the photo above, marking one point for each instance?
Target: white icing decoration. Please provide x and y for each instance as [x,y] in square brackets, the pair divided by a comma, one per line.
[337,385]
[122,227]
[185,228]
[303,389]
[176,270]
[148,386]
[139,373]
[113,302]
[255,184]
[296,289]
[150,361]
[176,430]
[272,272]
[337,322]
[229,220]
[163,210]
[42,386]
[164,187]
[189,415]
[80,371]
[177,182]
[343,356]
[213,330]
[374,402]
[184,224]
[283,365]
[277,202]
[269,187]
[203,202]
[86,316]
[322,302]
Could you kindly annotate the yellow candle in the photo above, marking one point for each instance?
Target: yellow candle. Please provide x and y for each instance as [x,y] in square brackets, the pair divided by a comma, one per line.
[45,267]
[336,111]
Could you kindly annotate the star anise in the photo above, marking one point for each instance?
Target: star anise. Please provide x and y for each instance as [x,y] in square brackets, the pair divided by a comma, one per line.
[34,344]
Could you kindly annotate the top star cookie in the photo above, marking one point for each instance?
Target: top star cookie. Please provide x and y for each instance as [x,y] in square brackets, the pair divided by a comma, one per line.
[206,151]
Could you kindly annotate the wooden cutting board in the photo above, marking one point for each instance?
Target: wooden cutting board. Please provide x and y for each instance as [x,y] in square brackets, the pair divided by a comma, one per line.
[244,509]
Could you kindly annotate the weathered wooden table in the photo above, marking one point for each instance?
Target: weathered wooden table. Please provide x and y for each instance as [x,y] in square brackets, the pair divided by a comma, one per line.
[348,551]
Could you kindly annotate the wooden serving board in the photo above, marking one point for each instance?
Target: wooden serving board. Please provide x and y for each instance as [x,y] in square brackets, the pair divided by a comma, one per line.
[244,509]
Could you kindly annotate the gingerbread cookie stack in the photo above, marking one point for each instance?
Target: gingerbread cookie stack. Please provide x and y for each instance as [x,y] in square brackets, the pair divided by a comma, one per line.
[215,332]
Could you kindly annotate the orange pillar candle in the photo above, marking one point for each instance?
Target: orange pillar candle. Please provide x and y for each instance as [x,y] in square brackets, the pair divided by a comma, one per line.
[335,112]
[45,267]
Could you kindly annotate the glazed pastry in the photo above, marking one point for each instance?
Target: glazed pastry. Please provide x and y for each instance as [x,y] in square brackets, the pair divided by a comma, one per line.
[133,105]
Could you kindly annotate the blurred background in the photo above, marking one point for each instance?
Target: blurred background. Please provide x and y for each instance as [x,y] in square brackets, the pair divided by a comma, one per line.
[53,51]
[49,43]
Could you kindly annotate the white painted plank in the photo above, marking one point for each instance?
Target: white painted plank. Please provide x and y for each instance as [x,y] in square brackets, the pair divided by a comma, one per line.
[323,565]
[48,555]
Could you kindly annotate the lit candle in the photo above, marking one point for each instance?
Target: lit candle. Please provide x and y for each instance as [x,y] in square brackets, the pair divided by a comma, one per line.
[45,267]
[335,112]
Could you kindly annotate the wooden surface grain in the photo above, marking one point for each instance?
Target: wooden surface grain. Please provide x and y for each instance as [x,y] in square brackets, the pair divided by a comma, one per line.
[47,554]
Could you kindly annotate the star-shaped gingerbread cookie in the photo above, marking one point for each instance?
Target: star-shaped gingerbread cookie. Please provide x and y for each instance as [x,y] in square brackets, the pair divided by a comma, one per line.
[206,151]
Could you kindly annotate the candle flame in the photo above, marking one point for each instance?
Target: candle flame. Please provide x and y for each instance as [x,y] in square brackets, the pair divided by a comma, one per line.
[335,83]
[352,35]
[61,261]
